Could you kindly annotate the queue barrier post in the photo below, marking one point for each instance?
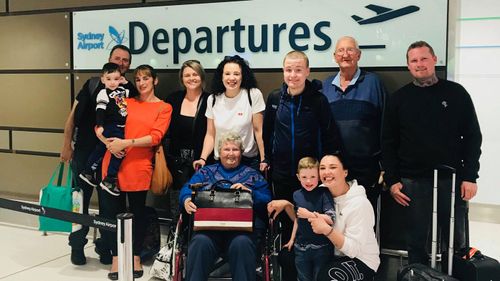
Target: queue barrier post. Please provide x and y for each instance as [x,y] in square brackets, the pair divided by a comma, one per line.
[124,241]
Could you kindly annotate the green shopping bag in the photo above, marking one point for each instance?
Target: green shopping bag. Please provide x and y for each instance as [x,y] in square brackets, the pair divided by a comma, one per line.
[57,196]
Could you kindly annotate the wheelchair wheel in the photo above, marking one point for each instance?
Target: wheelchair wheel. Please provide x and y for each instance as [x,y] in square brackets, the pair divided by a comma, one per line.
[178,263]
[274,244]
[178,267]
[267,269]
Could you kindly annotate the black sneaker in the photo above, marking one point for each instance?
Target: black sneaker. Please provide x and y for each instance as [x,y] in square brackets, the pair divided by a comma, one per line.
[109,184]
[78,257]
[88,178]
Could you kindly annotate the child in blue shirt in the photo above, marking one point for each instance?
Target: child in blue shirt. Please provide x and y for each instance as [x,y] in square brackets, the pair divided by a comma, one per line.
[312,251]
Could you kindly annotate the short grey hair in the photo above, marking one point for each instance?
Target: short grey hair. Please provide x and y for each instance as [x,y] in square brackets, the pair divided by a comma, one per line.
[350,38]
[230,137]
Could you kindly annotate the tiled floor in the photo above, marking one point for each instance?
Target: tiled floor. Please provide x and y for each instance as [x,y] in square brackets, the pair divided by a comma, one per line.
[28,255]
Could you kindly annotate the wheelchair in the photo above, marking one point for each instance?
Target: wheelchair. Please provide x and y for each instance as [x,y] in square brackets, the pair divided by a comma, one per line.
[267,269]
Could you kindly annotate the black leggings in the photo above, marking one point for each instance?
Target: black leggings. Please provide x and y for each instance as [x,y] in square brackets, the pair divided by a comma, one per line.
[346,269]
[112,205]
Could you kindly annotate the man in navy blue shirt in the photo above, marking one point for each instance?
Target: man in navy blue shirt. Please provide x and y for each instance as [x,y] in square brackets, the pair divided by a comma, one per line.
[357,101]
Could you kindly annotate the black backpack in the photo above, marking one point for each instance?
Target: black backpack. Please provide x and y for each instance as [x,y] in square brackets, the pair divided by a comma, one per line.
[81,109]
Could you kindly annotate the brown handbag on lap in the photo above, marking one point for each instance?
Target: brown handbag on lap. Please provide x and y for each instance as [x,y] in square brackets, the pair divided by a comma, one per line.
[162,178]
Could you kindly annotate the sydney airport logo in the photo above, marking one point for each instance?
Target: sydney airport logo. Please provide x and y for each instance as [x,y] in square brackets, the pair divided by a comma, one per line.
[97,41]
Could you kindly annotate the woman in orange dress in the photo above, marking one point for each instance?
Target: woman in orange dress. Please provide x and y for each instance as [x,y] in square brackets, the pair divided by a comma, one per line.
[147,121]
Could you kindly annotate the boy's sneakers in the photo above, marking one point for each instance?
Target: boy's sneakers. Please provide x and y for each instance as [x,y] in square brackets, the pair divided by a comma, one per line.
[109,184]
[89,178]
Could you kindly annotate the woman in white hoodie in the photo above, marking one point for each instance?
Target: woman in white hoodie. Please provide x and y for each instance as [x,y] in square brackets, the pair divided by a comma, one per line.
[356,249]
[352,235]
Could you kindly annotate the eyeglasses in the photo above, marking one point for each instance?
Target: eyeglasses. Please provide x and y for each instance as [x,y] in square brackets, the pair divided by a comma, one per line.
[349,51]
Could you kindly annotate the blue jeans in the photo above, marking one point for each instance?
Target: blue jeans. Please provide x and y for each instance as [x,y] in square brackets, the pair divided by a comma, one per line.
[94,160]
[309,261]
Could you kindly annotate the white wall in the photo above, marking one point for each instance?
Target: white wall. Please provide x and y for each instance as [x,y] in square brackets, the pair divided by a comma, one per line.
[475,63]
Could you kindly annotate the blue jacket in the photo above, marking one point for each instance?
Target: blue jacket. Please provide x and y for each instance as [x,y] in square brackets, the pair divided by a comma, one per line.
[358,114]
[296,127]
[247,176]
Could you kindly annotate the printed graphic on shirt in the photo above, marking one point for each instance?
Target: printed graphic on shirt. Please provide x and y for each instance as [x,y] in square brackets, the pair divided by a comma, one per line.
[345,271]
[120,101]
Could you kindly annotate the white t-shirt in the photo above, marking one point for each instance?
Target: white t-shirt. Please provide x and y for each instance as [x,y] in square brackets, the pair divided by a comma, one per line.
[235,115]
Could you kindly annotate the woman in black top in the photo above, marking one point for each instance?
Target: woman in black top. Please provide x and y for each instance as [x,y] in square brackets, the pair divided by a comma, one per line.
[187,128]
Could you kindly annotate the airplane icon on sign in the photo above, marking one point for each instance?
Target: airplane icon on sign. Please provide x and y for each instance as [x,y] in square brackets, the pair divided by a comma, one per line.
[385,14]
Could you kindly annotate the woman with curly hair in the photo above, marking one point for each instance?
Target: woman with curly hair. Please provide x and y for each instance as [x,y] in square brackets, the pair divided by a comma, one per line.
[237,105]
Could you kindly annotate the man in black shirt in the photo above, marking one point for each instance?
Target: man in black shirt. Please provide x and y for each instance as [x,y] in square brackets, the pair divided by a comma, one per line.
[80,125]
[430,122]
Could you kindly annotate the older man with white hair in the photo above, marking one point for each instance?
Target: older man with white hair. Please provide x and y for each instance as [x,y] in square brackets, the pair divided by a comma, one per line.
[357,99]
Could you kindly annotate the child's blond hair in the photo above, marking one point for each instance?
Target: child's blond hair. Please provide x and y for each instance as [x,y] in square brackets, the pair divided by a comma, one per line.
[307,163]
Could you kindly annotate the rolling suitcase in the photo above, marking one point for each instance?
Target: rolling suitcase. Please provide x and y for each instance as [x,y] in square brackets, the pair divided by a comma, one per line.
[419,272]
[471,265]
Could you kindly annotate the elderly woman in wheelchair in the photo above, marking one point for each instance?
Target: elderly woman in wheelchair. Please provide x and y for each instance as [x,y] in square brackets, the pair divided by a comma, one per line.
[215,232]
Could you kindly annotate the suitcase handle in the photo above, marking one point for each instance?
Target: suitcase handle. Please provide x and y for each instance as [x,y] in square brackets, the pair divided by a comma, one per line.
[452,217]
[445,168]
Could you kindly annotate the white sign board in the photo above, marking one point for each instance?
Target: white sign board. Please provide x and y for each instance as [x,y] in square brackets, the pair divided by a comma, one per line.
[261,31]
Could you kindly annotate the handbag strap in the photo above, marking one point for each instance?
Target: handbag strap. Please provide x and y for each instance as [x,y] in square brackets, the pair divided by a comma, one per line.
[59,173]
[155,148]
[220,182]
[198,106]
[69,177]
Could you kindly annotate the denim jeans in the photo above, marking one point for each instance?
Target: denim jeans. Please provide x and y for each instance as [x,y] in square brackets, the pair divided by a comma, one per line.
[310,261]
[94,160]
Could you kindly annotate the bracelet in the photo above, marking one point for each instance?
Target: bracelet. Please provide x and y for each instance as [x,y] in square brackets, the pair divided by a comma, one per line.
[133,141]
[330,232]
[204,160]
